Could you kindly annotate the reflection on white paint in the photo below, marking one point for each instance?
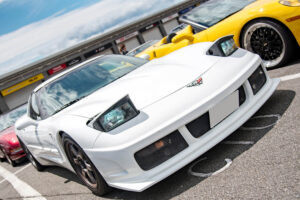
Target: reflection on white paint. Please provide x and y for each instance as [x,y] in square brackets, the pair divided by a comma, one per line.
[25,190]
[205,175]
[277,116]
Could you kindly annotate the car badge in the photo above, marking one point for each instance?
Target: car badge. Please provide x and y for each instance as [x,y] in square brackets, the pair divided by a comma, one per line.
[197,82]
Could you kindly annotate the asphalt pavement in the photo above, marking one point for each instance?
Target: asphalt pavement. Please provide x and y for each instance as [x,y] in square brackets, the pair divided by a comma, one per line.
[261,160]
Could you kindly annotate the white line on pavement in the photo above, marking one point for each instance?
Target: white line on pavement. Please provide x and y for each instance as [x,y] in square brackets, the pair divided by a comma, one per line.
[275,116]
[290,77]
[205,175]
[25,190]
[17,172]
[238,142]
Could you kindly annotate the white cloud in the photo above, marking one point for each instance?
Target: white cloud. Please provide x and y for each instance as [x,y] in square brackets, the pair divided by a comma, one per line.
[43,38]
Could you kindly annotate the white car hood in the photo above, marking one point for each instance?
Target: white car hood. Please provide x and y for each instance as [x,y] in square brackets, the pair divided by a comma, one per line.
[147,84]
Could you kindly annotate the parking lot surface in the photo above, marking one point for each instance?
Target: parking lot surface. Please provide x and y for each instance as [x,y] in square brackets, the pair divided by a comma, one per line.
[261,160]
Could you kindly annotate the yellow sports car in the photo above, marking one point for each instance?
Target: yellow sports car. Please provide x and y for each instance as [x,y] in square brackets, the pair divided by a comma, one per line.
[270,28]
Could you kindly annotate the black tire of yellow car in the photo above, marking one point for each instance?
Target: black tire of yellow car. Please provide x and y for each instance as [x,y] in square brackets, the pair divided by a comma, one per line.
[84,168]
[30,157]
[270,40]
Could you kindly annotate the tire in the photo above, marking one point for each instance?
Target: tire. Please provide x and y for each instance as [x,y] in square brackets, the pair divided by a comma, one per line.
[9,160]
[30,157]
[84,168]
[2,159]
[270,40]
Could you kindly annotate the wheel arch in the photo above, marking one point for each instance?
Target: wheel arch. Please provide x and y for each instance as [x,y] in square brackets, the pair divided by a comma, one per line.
[62,148]
[268,19]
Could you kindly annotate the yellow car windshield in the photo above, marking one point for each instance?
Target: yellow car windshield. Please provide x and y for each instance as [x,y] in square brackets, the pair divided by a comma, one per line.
[213,11]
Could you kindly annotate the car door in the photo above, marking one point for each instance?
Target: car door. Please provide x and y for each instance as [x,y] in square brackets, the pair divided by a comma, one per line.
[39,136]
[47,133]
[30,134]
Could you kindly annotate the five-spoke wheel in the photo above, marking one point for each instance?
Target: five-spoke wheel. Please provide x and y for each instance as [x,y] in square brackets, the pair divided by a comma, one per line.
[84,168]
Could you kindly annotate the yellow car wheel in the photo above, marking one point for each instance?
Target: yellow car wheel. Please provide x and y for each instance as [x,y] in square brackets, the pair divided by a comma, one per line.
[268,39]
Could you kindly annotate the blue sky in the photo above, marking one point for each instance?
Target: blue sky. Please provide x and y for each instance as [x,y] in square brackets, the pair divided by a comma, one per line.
[32,30]
[17,13]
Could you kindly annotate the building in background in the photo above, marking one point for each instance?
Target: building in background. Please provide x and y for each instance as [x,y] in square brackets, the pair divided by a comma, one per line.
[16,86]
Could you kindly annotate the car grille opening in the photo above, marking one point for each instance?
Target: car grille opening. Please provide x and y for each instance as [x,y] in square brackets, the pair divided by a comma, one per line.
[242,95]
[160,151]
[199,126]
[257,80]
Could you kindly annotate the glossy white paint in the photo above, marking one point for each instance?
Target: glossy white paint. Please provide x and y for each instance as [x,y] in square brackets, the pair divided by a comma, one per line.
[158,89]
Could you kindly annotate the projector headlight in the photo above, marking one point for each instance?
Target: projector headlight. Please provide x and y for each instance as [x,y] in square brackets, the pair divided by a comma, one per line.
[116,115]
[224,47]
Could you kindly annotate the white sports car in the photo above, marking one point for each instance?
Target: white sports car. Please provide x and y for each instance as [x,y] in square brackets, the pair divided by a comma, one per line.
[125,122]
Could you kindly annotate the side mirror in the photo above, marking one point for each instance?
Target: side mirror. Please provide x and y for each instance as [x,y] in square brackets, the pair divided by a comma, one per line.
[25,121]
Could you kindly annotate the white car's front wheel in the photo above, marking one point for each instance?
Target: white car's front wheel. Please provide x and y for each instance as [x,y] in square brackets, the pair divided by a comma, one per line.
[270,40]
[83,167]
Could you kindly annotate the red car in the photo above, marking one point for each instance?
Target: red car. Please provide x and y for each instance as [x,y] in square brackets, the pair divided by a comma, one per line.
[10,148]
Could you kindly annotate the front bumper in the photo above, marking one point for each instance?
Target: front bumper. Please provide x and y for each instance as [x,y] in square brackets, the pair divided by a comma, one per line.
[17,155]
[117,163]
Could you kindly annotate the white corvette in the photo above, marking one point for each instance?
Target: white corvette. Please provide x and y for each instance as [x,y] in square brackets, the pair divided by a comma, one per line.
[126,122]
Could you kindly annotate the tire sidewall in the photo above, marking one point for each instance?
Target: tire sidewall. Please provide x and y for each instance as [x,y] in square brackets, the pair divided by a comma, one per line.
[102,186]
[30,157]
[284,36]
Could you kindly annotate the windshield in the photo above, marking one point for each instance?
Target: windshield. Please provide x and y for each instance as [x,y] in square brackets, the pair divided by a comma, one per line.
[213,11]
[141,48]
[83,81]
[7,120]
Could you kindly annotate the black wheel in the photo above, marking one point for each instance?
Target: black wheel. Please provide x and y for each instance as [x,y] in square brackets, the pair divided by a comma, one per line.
[12,162]
[268,39]
[170,37]
[84,168]
[30,157]
[2,159]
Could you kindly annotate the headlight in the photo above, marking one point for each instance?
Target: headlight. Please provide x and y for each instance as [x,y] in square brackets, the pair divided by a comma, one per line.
[224,47]
[290,2]
[116,115]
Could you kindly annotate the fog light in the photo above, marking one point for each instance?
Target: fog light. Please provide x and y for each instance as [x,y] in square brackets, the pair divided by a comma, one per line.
[160,151]
[160,144]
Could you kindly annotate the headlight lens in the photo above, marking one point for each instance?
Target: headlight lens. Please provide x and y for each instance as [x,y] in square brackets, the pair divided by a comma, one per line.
[228,47]
[290,2]
[118,114]
[223,47]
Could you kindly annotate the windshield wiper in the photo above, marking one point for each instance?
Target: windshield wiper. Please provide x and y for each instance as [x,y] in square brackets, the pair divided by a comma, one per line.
[68,104]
